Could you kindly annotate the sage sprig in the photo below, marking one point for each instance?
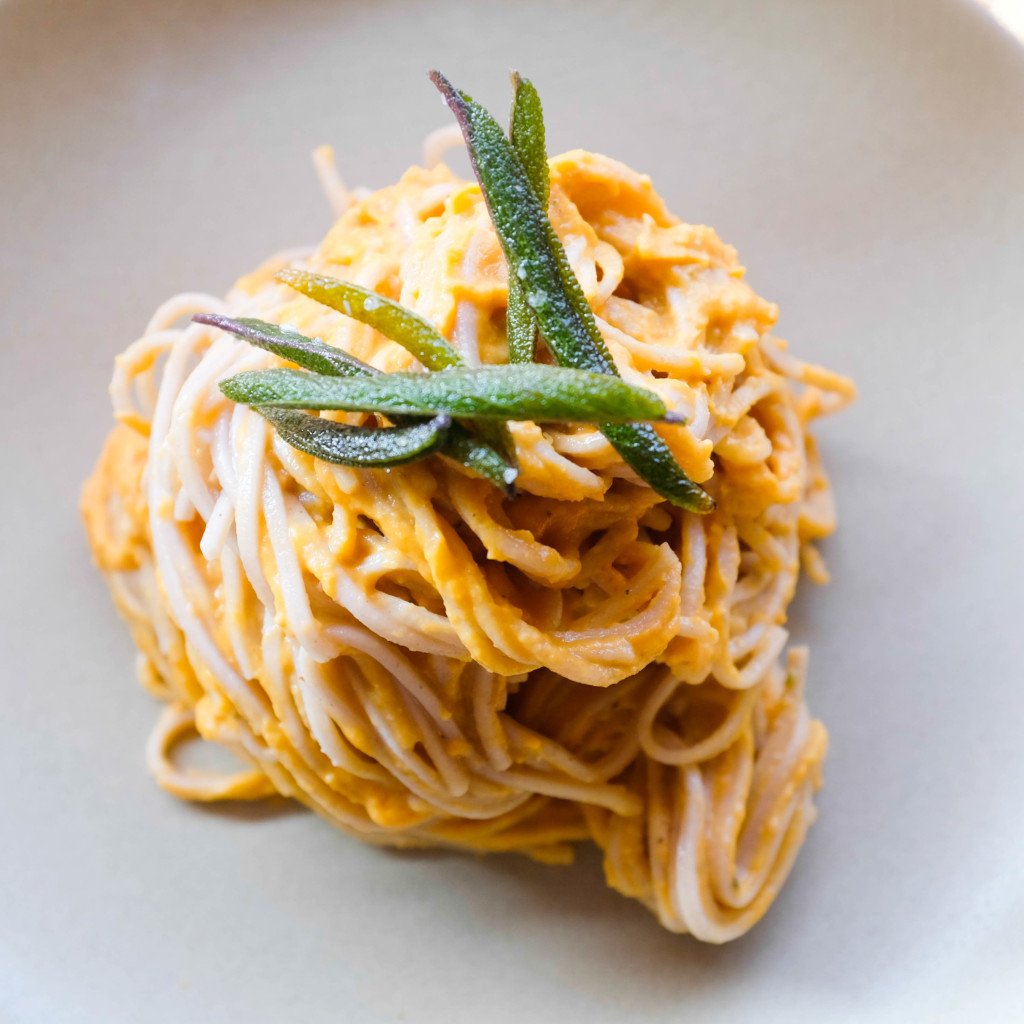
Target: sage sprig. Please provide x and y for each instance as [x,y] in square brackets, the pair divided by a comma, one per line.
[416,335]
[564,318]
[458,443]
[520,324]
[526,133]
[536,392]
[459,411]
[365,447]
[309,353]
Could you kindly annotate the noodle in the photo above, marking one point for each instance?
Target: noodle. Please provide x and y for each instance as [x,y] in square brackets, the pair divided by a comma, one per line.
[424,661]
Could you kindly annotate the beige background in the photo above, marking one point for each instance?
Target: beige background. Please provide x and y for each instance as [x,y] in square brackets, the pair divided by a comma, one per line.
[867,158]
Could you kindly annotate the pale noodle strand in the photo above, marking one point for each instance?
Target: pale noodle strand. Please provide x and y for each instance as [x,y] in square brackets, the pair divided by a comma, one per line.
[438,142]
[330,180]
[174,725]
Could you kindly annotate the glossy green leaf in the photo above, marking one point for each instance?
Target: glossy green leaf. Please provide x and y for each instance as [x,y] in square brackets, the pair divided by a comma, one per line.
[477,454]
[535,254]
[416,335]
[310,353]
[526,133]
[540,393]
[364,447]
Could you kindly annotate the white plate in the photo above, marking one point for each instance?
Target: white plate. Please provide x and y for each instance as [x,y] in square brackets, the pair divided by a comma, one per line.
[867,158]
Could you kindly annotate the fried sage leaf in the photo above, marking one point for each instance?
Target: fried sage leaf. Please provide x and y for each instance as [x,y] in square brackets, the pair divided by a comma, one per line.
[459,444]
[520,324]
[310,353]
[365,447]
[535,254]
[416,335]
[527,136]
[482,458]
[540,393]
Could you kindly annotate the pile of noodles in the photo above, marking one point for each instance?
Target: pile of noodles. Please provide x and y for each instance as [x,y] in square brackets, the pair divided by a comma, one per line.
[424,661]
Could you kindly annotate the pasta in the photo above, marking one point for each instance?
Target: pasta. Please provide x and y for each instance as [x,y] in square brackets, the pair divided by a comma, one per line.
[425,661]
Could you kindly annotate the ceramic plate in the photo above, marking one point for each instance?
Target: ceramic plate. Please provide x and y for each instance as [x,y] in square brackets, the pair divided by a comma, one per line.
[867,159]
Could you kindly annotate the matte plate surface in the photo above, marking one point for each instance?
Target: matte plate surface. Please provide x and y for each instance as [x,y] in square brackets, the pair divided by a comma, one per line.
[867,158]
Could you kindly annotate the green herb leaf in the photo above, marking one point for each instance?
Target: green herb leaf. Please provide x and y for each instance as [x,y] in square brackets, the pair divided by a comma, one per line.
[409,329]
[540,393]
[310,353]
[481,458]
[520,325]
[416,335]
[566,322]
[642,448]
[476,454]
[365,447]
[531,246]
[527,136]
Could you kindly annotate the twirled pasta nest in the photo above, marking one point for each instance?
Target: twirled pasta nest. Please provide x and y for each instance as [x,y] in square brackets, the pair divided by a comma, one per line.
[424,661]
